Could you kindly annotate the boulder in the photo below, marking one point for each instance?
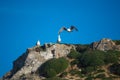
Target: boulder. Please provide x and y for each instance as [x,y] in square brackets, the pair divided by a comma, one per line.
[105,45]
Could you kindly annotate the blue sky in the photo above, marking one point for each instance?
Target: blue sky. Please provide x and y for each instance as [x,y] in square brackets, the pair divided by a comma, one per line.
[23,22]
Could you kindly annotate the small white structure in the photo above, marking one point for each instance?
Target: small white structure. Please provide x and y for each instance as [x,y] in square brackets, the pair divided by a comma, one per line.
[59,39]
[38,43]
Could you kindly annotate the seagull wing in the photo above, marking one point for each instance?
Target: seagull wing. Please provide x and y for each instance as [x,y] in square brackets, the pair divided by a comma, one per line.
[63,28]
[73,27]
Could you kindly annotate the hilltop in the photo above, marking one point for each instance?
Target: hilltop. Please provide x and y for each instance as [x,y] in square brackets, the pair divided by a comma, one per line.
[98,60]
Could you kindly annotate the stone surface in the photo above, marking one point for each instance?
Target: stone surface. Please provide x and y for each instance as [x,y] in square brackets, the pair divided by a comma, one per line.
[104,45]
[34,57]
[28,63]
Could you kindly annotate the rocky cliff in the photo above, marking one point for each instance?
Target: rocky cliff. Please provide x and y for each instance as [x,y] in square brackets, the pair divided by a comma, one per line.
[32,59]
[28,63]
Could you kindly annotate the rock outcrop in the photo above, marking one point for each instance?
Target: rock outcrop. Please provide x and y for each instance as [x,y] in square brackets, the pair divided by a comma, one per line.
[105,45]
[26,66]
[34,57]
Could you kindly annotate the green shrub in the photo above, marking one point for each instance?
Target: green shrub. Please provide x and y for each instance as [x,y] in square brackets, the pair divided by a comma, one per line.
[76,61]
[87,70]
[111,57]
[51,73]
[100,76]
[117,42]
[107,78]
[117,53]
[53,67]
[55,78]
[115,69]
[90,77]
[92,58]
[82,48]
[99,71]
[73,54]
[64,74]
[75,72]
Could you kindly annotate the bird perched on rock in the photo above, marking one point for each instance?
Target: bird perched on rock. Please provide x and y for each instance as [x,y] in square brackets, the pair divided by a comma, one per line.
[38,43]
[68,29]
[59,39]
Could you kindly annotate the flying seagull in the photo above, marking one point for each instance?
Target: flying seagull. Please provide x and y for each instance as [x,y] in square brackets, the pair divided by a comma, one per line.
[68,29]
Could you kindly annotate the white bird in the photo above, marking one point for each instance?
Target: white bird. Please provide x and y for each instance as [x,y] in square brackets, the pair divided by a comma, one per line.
[38,43]
[68,29]
[59,39]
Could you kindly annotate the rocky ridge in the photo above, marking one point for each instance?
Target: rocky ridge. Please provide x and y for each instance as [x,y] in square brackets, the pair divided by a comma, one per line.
[29,62]
[32,59]
[105,44]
